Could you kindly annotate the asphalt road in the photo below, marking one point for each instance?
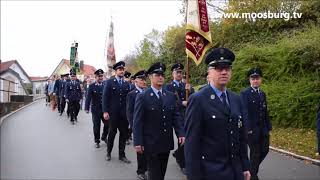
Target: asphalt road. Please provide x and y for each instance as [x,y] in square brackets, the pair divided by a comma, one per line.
[36,143]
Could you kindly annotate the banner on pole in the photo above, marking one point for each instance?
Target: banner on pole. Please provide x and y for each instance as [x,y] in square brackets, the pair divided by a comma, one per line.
[110,51]
[73,53]
[198,36]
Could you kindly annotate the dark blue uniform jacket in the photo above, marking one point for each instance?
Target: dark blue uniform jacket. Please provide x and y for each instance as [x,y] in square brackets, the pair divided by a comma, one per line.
[114,97]
[94,97]
[73,91]
[215,146]
[131,97]
[153,122]
[255,113]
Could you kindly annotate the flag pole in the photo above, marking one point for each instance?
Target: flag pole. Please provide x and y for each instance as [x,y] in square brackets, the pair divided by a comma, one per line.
[187,63]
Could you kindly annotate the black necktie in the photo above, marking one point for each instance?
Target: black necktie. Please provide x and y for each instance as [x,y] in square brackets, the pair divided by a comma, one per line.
[224,101]
[160,96]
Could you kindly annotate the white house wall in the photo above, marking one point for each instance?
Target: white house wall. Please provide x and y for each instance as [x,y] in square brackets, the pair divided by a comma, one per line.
[38,87]
[15,67]
[16,88]
[63,69]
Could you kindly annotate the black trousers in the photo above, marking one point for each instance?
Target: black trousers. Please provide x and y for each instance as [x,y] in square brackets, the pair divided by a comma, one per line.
[47,98]
[179,155]
[62,104]
[157,165]
[258,151]
[179,152]
[118,121]
[68,109]
[129,133]
[142,163]
[97,118]
[74,109]
[58,103]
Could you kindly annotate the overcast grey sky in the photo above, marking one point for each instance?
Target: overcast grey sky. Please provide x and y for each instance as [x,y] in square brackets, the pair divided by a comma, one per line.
[39,34]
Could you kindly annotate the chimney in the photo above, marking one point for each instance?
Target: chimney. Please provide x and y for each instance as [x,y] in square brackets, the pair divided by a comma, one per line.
[81,65]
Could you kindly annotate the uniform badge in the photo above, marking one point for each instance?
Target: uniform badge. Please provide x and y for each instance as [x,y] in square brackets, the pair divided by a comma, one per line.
[151,94]
[212,96]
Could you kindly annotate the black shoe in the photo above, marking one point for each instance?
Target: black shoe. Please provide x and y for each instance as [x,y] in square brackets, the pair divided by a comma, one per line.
[97,145]
[76,119]
[125,160]
[72,122]
[142,176]
[128,142]
[60,114]
[105,140]
[108,157]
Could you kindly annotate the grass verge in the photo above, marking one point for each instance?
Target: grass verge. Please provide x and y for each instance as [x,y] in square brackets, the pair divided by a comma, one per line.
[300,141]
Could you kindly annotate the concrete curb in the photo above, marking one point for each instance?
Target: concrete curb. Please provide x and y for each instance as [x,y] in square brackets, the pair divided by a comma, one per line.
[313,161]
[13,112]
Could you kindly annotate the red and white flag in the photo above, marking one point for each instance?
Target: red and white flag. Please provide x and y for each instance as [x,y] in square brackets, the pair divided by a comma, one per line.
[110,51]
[198,36]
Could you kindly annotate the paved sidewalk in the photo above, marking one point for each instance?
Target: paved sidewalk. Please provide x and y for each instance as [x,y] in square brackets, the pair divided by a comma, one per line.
[36,143]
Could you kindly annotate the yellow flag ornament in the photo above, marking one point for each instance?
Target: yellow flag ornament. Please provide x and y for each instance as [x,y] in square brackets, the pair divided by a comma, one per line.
[198,36]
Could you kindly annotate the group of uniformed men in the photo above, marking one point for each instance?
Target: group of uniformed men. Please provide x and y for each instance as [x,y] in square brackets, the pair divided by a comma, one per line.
[214,127]
[65,90]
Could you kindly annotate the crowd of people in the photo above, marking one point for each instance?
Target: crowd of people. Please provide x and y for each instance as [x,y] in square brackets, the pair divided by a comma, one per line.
[65,90]
[214,127]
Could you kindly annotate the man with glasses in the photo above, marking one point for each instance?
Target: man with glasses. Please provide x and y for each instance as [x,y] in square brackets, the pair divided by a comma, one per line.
[73,96]
[155,115]
[114,110]
[140,86]
[257,122]
[216,146]
[94,97]
[179,88]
